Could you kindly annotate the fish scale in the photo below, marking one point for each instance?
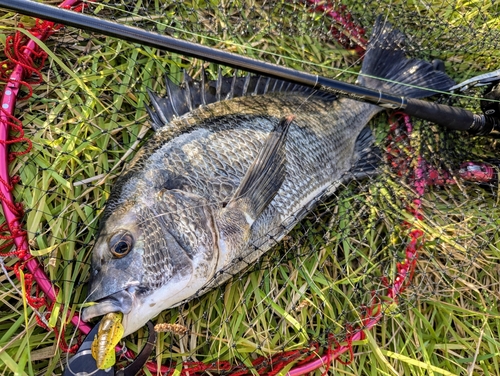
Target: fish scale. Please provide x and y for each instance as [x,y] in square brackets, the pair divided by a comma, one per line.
[219,185]
[209,155]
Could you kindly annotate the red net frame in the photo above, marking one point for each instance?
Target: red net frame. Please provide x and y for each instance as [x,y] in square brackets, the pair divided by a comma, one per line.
[25,59]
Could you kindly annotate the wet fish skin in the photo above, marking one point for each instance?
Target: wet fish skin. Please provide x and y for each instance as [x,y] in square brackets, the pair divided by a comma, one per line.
[175,224]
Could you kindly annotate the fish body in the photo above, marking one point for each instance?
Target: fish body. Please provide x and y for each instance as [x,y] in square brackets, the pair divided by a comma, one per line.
[222,181]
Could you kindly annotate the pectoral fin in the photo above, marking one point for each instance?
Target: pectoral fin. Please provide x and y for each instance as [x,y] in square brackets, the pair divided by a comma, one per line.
[256,190]
[266,174]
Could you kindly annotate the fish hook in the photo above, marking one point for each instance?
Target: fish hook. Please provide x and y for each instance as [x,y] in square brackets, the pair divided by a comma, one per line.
[82,363]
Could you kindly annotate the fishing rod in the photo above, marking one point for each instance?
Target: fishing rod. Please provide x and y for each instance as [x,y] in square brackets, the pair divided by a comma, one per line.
[447,116]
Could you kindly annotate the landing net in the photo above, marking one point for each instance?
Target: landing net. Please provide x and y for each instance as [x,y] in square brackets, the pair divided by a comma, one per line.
[395,274]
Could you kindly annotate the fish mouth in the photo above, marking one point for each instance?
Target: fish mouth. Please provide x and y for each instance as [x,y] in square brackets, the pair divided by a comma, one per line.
[120,301]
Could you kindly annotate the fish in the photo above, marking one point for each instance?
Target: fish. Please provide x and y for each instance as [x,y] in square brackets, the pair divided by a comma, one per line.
[233,165]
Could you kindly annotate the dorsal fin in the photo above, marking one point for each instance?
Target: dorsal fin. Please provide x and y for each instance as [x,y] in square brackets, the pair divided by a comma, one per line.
[219,85]
[191,94]
[158,116]
[203,86]
[244,91]
[186,85]
[230,95]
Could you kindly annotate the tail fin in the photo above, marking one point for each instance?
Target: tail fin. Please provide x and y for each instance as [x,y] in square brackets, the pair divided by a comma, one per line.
[386,59]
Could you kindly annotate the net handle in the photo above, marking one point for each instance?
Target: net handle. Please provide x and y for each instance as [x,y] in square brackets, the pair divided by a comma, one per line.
[8,105]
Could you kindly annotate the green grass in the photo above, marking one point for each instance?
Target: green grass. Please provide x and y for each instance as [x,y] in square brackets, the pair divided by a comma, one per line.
[88,117]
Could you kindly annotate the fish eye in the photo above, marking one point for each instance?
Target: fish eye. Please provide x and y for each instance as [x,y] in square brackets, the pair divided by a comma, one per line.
[121,243]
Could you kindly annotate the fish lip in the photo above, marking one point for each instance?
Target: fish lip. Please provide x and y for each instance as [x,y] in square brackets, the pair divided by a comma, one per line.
[120,301]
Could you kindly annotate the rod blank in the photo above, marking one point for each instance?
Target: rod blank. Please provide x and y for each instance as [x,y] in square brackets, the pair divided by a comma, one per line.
[447,116]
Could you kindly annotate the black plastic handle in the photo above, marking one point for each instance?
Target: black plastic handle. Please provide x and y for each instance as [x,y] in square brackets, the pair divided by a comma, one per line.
[450,117]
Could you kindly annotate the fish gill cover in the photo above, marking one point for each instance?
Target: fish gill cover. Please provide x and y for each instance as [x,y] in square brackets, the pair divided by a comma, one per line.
[413,249]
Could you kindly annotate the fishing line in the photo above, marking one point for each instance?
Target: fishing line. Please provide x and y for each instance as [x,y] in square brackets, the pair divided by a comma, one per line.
[72,338]
[226,43]
[19,292]
[354,282]
[447,116]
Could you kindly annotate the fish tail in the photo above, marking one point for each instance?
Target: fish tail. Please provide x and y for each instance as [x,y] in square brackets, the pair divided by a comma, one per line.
[386,66]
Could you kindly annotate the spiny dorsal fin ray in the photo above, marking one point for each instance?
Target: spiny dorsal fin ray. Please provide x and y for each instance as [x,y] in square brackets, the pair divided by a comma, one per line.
[218,87]
[192,94]
[161,114]
[173,93]
[230,95]
[203,86]
[266,174]
[257,85]
[246,83]
[186,86]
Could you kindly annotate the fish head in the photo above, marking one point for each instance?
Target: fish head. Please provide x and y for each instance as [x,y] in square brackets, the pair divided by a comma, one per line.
[117,269]
[151,255]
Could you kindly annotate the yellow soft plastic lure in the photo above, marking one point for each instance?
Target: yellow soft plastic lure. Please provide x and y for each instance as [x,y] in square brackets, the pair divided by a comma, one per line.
[109,334]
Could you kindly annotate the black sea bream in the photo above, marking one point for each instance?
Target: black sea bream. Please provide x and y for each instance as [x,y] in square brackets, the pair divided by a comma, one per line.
[221,181]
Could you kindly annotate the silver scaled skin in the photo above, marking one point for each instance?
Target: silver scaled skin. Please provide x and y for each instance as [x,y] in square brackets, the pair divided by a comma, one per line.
[197,205]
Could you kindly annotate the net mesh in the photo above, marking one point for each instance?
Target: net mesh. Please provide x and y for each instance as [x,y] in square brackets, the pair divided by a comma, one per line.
[385,266]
